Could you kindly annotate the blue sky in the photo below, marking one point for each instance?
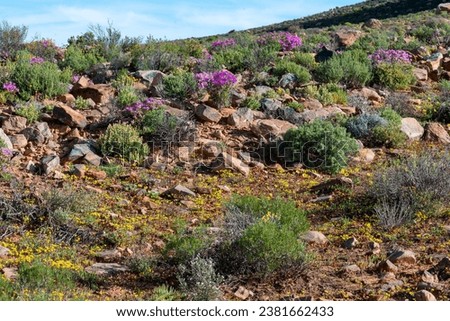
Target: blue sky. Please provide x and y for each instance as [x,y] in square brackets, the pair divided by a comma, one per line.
[170,19]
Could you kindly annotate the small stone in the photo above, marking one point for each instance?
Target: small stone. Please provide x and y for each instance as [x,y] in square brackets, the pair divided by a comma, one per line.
[429,278]
[314,237]
[350,243]
[366,155]
[4,252]
[98,175]
[375,248]
[243,294]
[49,164]
[240,119]
[178,191]
[271,127]
[79,170]
[352,269]
[412,128]
[19,141]
[388,277]
[14,124]
[387,266]
[402,257]
[421,74]
[106,269]
[10,273]
[436,132]
[424,295]
[109,255]
[225,160]
[208,114]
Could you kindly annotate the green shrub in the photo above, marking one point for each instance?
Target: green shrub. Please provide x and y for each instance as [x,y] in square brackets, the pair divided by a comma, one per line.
[79,60]
[351,68]
[327,94]
[30,110]
[127,95]
[395,76]
[233,58]
[320,144]
[261,235]
[124,141]
[306,60]
[164,293]
[43,79]
[159,123]
[252,102]
[389,136]
[80,103]
[298,107]
[376,39]
[284,66]
[180,85]
[184,245]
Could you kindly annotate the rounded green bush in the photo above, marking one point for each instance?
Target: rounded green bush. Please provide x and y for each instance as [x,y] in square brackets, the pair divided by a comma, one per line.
[320,144]
[395,76]
[285,66]
[124,141]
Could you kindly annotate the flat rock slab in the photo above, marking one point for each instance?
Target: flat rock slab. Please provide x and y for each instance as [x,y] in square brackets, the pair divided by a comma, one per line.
[106,269]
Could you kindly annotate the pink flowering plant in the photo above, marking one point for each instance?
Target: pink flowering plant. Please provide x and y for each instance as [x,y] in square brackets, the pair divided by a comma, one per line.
[282,41]
[218,85]
[139,108]
[223,43]
[390,56]
[8,92]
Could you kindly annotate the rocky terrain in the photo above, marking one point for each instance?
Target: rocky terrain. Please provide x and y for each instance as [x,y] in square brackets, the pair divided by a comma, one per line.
[283,163]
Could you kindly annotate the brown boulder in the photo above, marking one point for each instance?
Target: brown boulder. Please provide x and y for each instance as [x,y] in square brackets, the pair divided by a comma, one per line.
[346,38]
[69,116]
[436,132]
[100,94]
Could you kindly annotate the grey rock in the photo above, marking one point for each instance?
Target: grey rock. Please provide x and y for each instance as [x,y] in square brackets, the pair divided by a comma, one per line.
[5,139]
[178,192]
[314,237]
[387,266]
[14,124]
[402,257]
[353,268]
[19,141]
[33,135]
[106,269]
[287,80]
[208,114]
[412,128]
[270,106]
[424,295]
[85,152]
[323,113]
[49,164]
[109,255]
[44,129]
[4,252]
[240,119]
[225,160]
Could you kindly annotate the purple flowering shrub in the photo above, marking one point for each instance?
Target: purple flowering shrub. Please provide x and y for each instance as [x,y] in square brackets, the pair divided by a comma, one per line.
[393,68]
[286,41]
[8,92]
[223,43]
[390,56]
[218,84]
[139,108]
